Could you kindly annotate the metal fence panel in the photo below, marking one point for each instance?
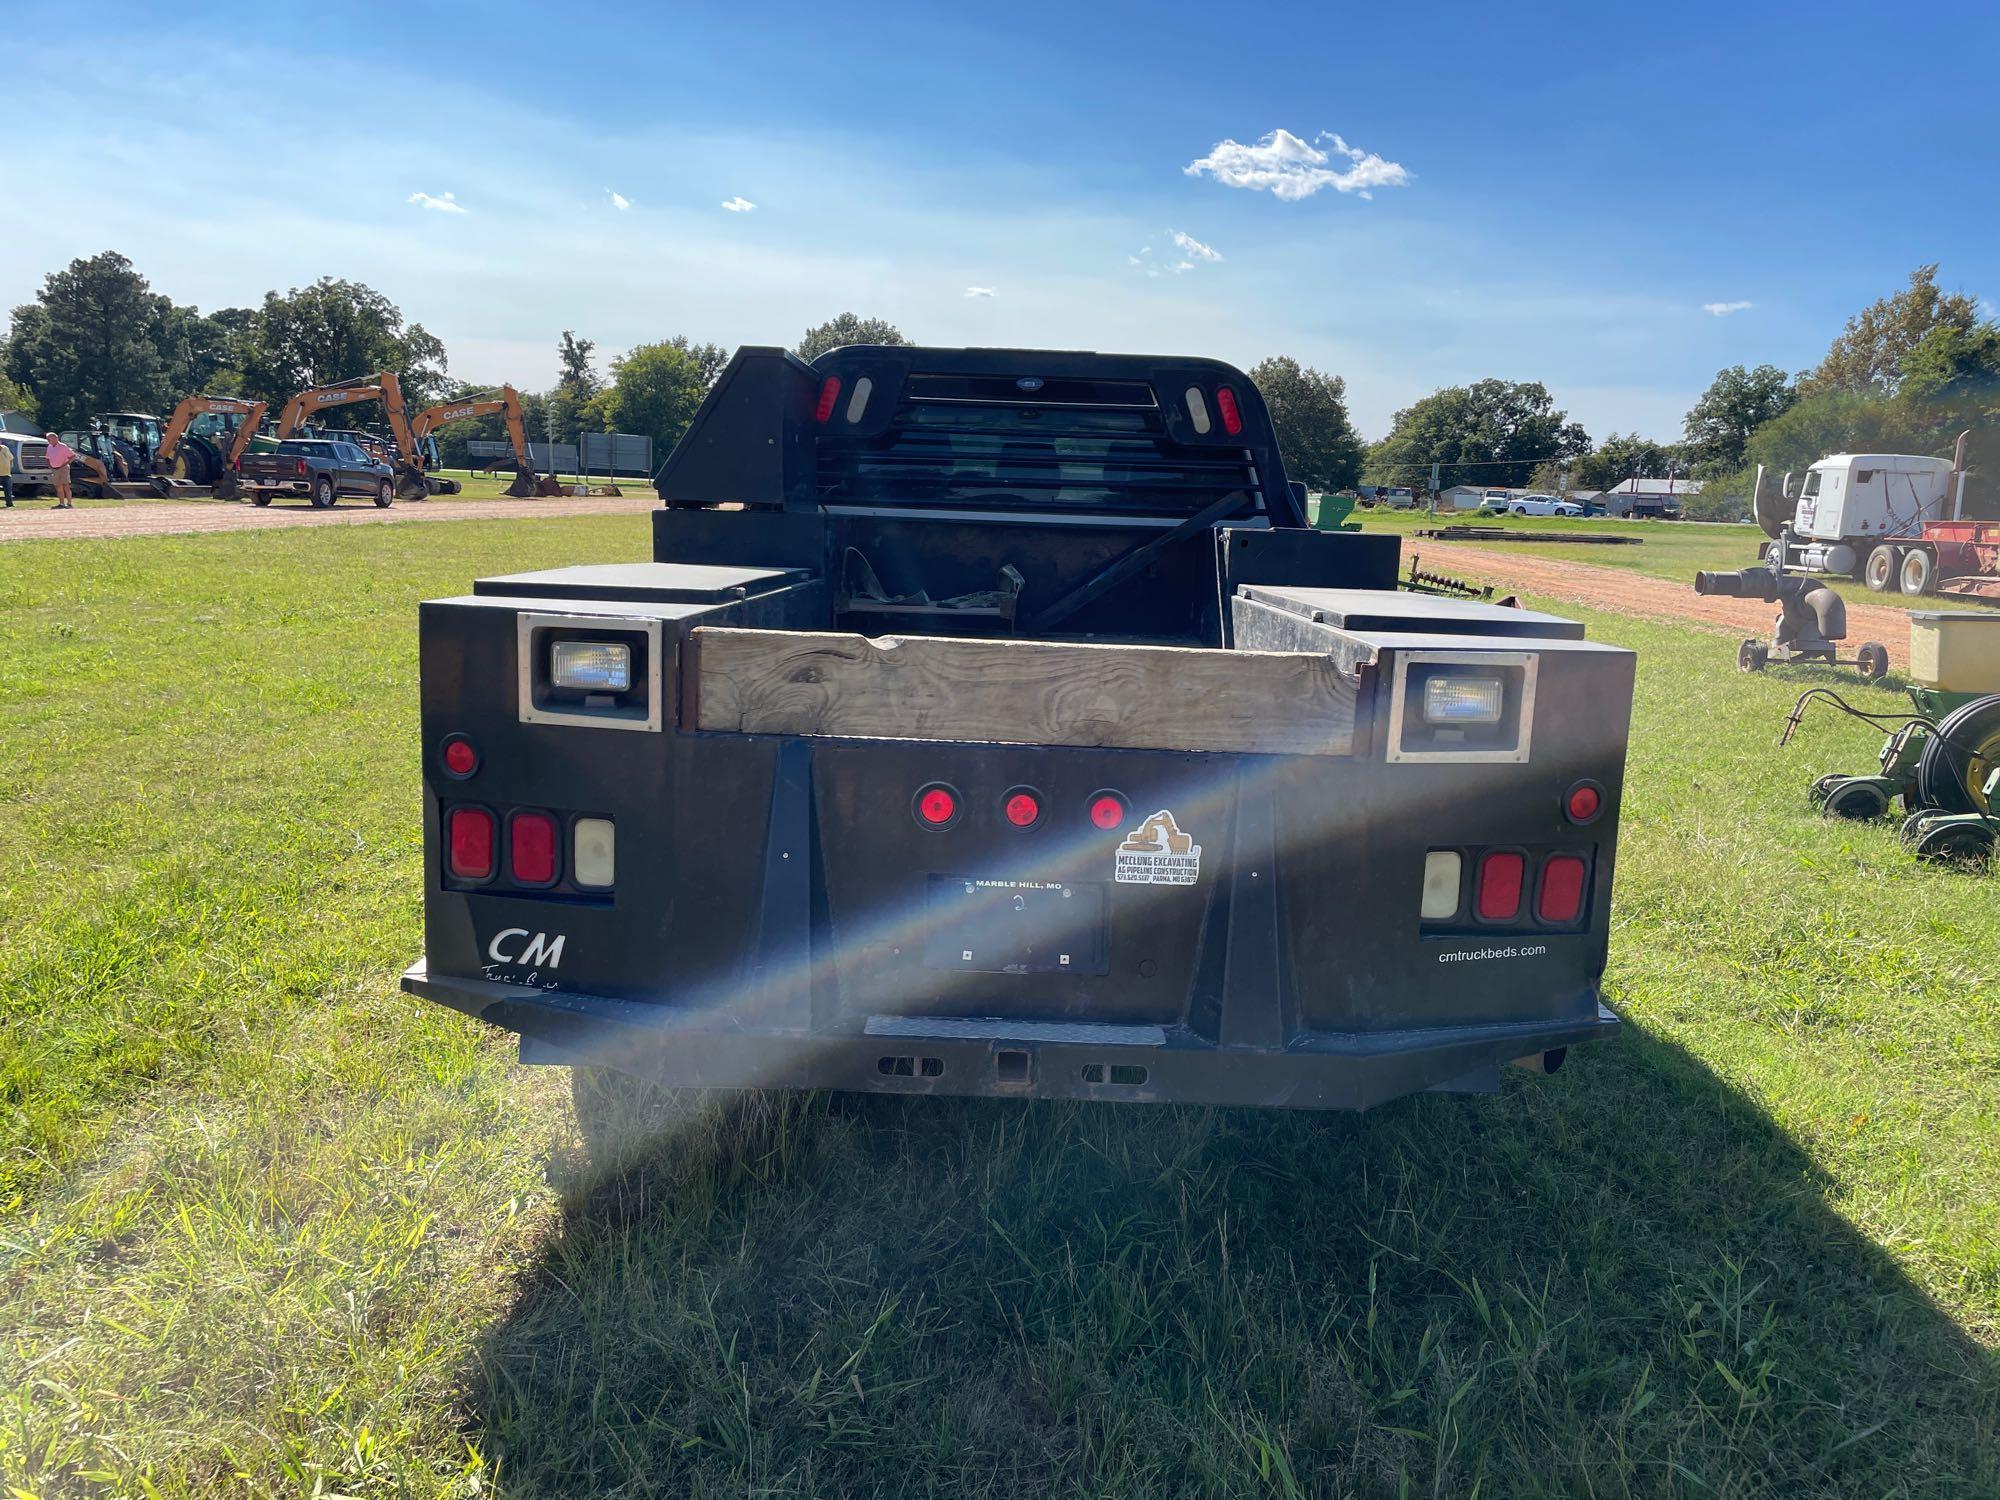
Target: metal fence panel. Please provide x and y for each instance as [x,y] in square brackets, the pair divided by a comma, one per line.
[617,453]
[482,449]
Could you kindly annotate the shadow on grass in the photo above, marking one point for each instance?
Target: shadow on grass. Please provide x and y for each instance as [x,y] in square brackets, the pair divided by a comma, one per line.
[1621,1280]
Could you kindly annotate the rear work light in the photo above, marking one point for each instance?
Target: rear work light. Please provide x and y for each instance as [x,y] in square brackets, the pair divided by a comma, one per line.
[1197,409]
[1226,407]
[1561,895]
[1498,894]
[469,833]
[1463,700]
[1022,807]
[1442,871]
[829,393]
[594,853]
[936,806]
[531,848]
[1107,810]
[599,666]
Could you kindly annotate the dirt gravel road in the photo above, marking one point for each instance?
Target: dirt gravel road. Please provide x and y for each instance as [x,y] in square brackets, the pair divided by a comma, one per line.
[1625,592]
[35,521]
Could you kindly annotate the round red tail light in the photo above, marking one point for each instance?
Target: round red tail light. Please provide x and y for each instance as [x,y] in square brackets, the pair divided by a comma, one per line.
[1022,807]
[1107,810]
[936,805]
[459,757]
[1584,802]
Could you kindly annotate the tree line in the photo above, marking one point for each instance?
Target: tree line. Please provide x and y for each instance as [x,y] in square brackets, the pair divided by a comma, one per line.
[97,339]
[1905,375]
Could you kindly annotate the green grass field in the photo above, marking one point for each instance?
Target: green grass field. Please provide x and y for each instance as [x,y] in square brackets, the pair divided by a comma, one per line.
[267,1227]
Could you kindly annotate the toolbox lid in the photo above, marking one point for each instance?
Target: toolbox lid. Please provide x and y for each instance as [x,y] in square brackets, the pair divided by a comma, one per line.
[654,582]
[1397,610]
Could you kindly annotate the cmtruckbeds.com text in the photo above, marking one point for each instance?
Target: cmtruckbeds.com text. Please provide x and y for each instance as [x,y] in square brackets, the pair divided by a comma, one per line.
[1467,955]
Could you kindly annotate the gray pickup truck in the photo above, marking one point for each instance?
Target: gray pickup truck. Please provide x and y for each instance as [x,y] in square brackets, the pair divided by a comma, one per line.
[319,468]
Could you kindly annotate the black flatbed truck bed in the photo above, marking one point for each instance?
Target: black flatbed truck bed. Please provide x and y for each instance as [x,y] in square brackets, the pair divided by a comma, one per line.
[993,726]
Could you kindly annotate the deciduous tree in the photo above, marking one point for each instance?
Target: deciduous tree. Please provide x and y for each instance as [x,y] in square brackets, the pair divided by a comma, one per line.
[848,328]
[1309,412]
[1867,359]
[339,330]
[1493,432]
[655,390]
[86,343]
[1736,403]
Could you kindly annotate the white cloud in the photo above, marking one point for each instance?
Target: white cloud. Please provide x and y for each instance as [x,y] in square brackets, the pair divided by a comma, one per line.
[444,204]
[1185,265]
[739,204]
[619,201]
[979,291]
[1724,309]
[1291,169]
[1193,248]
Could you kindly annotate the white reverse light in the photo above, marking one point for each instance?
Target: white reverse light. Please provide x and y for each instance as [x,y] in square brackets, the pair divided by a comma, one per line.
[599,666]
[1463,700]
[1441,881]
[593,858]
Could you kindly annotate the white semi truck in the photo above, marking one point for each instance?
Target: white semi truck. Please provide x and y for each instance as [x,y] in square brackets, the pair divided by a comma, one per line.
[1890,520]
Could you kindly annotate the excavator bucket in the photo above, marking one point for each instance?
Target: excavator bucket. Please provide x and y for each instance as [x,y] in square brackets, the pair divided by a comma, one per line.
[525,486]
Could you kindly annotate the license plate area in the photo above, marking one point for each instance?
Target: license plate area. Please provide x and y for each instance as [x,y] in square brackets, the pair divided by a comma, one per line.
[978,926]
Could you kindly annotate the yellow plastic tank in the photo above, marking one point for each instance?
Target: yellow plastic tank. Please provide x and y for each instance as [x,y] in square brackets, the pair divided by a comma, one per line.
[1955,650]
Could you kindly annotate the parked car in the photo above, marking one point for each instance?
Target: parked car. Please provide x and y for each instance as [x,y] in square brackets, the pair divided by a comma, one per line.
[1545,505]
[1493,503]
[319,469]
[1397,497]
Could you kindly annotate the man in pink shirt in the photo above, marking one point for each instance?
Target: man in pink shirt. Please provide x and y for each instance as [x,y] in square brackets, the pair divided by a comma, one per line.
[60,453]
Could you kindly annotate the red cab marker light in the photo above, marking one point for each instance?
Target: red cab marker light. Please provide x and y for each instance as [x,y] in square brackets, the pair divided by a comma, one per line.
[1022,807]
[459,757]
[1584,802]
[469,833]
[1498,894]
[937,806]
[531,848]
[1225,405]
[1107,810]
[1561,896]
[829,393]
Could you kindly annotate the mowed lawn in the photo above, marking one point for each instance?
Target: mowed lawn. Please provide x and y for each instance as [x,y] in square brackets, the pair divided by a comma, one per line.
[267,1227]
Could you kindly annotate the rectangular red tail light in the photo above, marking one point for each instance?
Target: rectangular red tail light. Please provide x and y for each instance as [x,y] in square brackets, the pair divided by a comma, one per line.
[1497,893]
[469,832]
[1561,896]
[531,848]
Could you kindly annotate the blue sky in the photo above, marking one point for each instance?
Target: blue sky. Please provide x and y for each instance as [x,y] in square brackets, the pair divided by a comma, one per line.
[1552,193]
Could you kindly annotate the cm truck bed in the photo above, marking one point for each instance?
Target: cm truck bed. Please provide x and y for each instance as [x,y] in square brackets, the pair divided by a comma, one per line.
[837,794]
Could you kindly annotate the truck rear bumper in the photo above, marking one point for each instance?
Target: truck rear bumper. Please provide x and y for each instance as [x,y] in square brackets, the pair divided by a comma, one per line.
[1000,1058]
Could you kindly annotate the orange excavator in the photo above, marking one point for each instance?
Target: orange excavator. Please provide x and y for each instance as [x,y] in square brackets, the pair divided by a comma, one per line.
[205,458]
[507,401]
[411,435]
